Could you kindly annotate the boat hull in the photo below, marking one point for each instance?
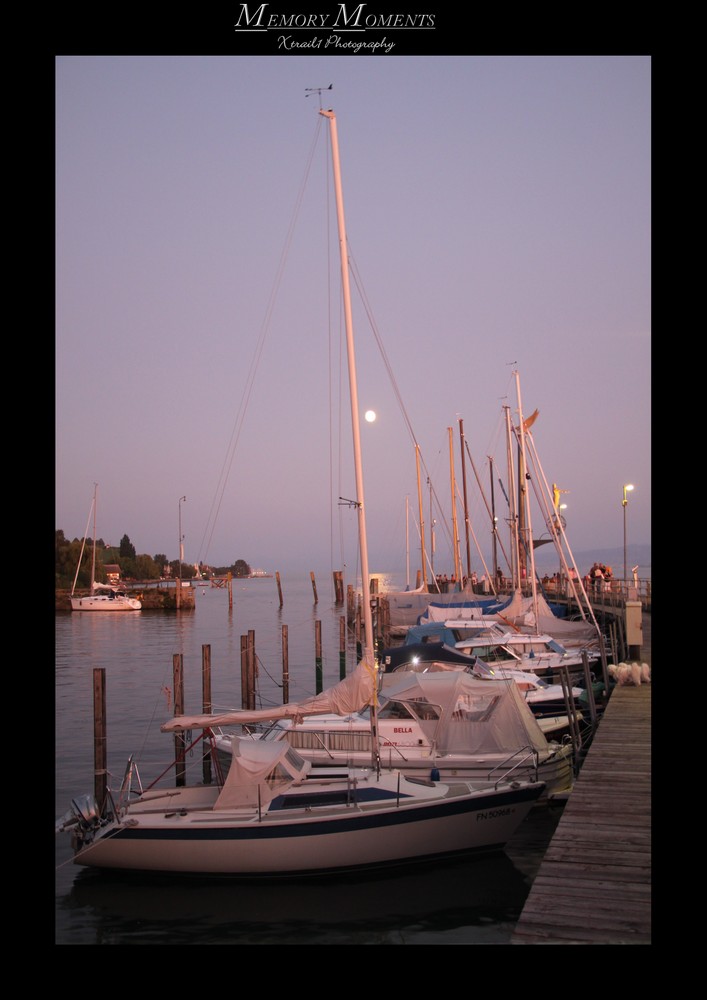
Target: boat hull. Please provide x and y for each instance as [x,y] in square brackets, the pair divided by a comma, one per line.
[296,843]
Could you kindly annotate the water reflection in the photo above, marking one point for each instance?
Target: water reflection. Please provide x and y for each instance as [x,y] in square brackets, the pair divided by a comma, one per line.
[485,892]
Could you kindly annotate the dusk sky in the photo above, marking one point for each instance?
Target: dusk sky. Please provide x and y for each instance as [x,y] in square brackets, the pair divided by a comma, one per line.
[498,213]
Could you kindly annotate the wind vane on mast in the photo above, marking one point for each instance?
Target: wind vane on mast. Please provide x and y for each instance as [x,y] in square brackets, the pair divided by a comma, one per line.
[317,90]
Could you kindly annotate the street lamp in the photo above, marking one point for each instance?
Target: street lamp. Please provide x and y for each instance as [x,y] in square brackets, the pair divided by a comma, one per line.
[624,503]
[179,581]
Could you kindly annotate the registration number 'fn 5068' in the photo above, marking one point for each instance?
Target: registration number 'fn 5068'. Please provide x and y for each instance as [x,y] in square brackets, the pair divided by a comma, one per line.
[494,813]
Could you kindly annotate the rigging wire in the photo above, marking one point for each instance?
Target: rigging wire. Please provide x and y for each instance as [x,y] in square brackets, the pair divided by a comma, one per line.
[255,362]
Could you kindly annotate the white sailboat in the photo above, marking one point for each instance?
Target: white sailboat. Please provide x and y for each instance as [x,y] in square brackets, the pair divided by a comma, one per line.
[103,596]
[271,817]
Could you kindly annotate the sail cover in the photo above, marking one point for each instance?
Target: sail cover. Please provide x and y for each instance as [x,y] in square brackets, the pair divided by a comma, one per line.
[352,694]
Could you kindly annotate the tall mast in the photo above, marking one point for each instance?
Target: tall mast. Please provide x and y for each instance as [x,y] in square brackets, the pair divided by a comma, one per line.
[365,577]
[494,528]
[422,518]
[455,530]
[93,557]
[524,494]
[511,498]
[466,505]
[407,541]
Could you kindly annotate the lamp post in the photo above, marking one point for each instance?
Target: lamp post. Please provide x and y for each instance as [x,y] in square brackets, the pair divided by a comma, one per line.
[179,581]
[624,503]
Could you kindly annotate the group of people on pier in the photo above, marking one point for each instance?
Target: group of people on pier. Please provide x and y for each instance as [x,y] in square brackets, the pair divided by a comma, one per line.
[599,578]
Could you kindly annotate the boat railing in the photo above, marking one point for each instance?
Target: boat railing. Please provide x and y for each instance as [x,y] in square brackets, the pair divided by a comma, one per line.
[131,778]
[613,593]
[513,763]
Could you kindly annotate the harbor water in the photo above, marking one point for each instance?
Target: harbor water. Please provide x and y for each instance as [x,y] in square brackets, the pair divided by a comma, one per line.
[474,901]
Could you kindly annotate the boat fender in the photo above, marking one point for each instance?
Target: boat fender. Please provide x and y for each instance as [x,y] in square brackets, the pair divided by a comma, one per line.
[434,774]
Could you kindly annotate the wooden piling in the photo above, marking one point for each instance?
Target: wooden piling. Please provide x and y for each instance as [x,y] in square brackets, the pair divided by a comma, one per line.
[319,679]
[245,690]
[100,755]
[285,667]
[179,739]
[338,587]
[279,587]
[206,705]
[253,662]
[342,647]
[384,620]
[314,586]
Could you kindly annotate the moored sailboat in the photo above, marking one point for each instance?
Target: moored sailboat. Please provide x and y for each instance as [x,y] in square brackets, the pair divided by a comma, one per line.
[102,596]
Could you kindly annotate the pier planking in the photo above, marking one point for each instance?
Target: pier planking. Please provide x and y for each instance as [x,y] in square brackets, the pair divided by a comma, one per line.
[594,883]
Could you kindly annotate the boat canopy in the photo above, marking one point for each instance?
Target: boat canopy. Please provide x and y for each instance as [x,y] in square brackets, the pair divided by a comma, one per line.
[396,657]
[473,715]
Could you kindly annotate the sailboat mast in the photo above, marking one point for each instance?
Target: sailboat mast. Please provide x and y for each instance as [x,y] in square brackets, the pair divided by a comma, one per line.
[407,541]
[455,529]
[513,523]
[466,505]
[525,500]
[365,577]
[494,526]
[422,519]
[93,557]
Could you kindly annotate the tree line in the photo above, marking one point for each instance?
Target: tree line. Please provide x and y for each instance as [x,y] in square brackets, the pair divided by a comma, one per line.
[132,566]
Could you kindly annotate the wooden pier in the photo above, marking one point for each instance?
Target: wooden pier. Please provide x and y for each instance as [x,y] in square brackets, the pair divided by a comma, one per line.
[594,883]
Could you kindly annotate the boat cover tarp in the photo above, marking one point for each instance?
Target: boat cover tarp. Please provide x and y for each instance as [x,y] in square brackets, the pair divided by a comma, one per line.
[521,613]
[252,762]
[405,606]
[466,611]
[406,609]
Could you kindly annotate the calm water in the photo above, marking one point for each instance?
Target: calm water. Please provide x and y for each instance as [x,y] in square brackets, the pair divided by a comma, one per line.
[470,902]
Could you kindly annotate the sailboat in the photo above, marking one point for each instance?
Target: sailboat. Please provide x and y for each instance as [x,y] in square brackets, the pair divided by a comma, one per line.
[271,817]
[102,596]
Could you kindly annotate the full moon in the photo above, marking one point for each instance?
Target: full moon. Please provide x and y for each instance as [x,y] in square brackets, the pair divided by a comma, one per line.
[370,416]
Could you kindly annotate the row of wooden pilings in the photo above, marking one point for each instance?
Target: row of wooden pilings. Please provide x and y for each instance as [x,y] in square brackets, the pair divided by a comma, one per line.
[249,677]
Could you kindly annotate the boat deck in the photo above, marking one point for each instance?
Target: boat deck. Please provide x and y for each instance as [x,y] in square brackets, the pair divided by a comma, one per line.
[594,883]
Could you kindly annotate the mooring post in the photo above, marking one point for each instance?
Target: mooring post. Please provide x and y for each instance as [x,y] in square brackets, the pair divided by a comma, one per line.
[342,647]
[206,706]
[285,667]
[179,739]
[100,769]
[318,657]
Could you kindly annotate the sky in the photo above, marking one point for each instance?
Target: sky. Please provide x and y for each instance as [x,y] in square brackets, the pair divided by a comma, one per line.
[498,219]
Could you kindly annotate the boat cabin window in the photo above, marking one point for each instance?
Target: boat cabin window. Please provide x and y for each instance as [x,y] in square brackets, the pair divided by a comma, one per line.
[476,709]
[424,710]
[395,710]
[492,654]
